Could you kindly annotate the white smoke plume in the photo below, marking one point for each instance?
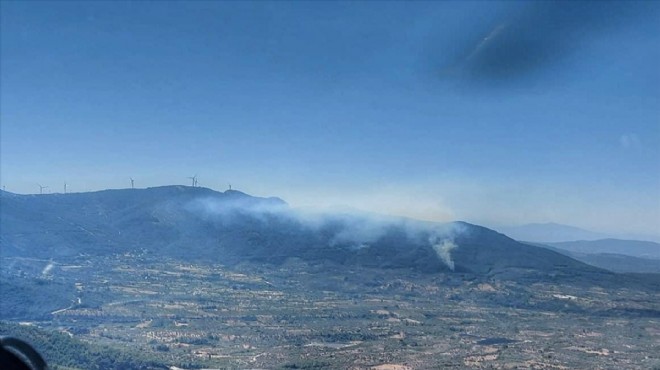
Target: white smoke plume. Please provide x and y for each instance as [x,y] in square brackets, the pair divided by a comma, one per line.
[442,242]
[48,268]
[443,250]
[357,230]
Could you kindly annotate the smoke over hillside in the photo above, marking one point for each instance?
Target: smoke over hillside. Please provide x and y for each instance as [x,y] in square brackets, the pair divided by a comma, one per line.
[355,230]
[233,227]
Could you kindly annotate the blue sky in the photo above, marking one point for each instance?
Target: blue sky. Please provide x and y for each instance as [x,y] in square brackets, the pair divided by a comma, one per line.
[495,113]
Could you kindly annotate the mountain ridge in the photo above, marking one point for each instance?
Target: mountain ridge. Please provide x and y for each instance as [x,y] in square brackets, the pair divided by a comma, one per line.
[231,227]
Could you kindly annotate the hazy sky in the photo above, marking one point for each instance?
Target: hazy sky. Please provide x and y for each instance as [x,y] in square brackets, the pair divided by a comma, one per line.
[495,113]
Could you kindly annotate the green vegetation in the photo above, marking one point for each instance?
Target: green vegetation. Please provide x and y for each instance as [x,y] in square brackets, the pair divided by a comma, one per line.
[64,352]
[308,364]
[34,297]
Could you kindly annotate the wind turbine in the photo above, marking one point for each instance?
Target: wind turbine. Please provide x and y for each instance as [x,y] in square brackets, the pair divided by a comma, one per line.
[194,180]
[132,183]
[229,186]
[65,187]
[41,188]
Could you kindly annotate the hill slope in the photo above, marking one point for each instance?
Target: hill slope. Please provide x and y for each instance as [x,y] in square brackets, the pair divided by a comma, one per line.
[231,227]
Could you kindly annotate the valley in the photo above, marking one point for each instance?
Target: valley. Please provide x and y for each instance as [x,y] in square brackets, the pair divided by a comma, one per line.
[324,315]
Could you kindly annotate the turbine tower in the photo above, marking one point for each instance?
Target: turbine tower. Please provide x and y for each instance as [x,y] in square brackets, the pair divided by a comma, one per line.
[194,180]
[65,187]
[132,183]
[41,188]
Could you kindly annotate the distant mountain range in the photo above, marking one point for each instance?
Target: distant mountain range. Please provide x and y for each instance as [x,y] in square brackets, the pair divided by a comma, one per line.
[232,227]
[555,233]
[549,232]
[595,249]
[597,255]
[616,262]
[635,248]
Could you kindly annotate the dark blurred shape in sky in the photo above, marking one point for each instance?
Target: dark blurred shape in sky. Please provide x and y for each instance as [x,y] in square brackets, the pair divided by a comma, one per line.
[531,38]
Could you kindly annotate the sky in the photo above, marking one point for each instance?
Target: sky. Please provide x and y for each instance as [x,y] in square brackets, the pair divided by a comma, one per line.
[493,113]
